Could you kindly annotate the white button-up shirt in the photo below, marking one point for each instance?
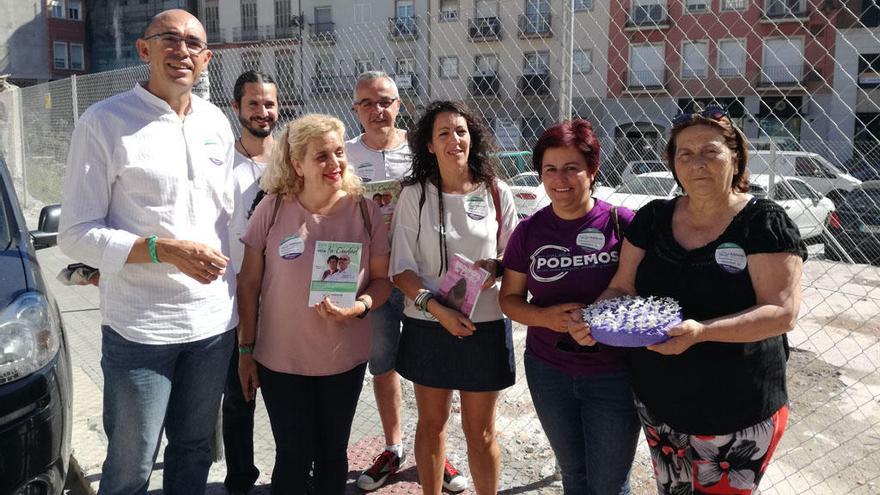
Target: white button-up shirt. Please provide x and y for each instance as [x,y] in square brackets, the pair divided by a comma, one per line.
[136,169]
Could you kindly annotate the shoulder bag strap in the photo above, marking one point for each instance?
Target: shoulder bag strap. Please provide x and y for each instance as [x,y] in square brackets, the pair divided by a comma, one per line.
[365,214]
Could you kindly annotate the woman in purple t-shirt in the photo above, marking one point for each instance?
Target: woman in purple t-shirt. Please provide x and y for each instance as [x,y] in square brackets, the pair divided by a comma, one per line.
[565,255]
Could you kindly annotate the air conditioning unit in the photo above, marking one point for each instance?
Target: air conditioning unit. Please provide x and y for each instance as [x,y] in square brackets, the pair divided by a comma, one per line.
[403,81]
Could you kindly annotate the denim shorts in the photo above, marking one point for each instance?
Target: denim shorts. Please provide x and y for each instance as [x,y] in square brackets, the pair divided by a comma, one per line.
[386,321]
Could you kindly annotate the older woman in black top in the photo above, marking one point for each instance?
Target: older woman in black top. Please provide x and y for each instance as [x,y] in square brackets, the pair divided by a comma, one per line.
[712,399]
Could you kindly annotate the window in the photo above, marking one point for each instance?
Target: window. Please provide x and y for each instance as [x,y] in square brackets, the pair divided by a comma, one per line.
[646,65]
[486,65]
[59,55]
[648,12]
[248,15]
[74,10]
[693,59]
[805,166]
[361,13]
[448,67]
[323,20]
[448,10]
[803,190]
[784,8]
[581,5]
[582,61]
[282,13]
[77,57]
[869,70]
[486,8]
[733,5]
[696,6]
[363,64]
[731,58]
[212,20]
[404,9]
[405,65]
[285,73]
[783,60]
[536,62]
[57,8]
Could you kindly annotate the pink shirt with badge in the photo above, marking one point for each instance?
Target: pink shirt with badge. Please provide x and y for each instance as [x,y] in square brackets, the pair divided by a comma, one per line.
[291,337]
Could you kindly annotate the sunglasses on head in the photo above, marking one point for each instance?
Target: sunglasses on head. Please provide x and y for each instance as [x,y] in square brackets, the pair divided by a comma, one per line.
[713,112]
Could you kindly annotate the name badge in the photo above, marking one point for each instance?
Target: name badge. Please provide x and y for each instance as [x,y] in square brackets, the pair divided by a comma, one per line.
[291,247]
[731,258]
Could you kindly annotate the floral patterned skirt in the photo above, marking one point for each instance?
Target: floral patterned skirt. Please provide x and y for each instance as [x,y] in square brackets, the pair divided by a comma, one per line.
[730,464]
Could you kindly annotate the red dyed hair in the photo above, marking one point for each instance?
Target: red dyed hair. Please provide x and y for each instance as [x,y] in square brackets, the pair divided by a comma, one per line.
[577,134]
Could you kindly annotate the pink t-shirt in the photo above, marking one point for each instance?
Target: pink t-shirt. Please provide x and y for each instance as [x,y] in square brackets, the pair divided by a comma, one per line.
[291,337]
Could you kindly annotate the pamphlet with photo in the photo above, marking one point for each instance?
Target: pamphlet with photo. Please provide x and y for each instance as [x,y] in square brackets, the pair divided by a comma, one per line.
[461,286]
[384,193]
[335,270]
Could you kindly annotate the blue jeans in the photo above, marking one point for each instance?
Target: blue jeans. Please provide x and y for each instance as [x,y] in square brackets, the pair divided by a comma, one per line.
[591,423]
[386,321]
[148,387]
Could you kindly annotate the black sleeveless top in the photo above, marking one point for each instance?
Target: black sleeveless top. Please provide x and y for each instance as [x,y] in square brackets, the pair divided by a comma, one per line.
[713,387]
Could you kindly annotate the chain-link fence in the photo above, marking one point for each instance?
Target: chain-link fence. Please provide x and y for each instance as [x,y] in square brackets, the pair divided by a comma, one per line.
[801,77]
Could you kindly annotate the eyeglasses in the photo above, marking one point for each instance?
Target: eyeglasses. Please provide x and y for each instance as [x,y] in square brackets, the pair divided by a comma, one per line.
[367,103]
[714,112]
[194,46]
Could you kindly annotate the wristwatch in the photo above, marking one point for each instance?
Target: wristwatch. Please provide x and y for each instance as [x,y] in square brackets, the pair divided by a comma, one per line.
[366,307]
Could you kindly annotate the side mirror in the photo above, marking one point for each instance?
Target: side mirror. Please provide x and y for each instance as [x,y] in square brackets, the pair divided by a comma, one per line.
[46,234]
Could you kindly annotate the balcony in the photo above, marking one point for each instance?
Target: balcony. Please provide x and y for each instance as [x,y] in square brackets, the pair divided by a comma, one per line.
[484,29]
[406,83]
[403,28]
[485,85]
[729,72]
[322,32]
[534,84]
[251,34]
[785,10]
[325,84]
[781,75]
[651,16]
[646,80]
[535,26]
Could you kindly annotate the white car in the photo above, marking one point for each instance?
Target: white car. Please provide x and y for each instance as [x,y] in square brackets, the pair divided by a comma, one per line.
[530,196]
[641,189]
[805,206]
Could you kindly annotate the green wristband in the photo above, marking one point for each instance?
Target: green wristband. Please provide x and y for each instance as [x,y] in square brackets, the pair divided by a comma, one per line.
[151,242]
[245,349]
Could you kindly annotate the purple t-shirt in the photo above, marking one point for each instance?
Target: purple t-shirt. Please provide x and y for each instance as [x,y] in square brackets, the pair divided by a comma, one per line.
[568,261]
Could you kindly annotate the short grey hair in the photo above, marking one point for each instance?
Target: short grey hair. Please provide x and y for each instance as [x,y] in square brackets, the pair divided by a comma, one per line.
[372,75]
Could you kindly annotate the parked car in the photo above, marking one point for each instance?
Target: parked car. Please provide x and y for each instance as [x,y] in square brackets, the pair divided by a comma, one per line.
[35,374]
[639,167]
[530,196]
[809,209]
[854,228]
[513,163]
[639,190]
[811,168]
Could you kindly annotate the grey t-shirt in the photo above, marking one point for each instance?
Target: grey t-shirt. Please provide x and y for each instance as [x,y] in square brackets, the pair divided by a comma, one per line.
[374,165]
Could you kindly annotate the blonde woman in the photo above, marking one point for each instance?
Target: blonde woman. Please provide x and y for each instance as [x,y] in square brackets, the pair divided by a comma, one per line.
[309,360]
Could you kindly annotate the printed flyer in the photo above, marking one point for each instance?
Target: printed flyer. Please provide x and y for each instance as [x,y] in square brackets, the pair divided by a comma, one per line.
[462,284]
[335,270]
[384,193]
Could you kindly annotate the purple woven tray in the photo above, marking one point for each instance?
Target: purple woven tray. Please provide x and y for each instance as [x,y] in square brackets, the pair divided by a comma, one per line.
[624,338]
[621,322]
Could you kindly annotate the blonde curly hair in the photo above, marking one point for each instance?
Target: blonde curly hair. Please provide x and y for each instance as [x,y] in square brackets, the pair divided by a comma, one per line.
[281,178]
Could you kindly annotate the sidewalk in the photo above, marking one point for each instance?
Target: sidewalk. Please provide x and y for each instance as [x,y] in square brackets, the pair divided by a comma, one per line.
[527,461]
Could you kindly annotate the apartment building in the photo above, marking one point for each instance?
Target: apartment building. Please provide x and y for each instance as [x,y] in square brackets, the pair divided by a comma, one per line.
[502,56]
[67,38]
[771,62]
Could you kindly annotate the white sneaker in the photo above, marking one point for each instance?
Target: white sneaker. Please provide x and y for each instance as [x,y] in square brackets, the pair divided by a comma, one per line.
[453,480]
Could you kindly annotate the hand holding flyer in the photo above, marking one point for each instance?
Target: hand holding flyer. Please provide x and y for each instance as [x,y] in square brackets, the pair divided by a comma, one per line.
[335,270]
[462,284]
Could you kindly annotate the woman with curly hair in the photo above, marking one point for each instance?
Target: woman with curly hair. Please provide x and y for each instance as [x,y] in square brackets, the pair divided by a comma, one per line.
[452,203]
[308,360]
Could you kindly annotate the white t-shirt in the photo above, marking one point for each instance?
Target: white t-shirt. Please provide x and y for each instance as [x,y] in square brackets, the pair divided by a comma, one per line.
[374,165]
[246,174]
[471,231]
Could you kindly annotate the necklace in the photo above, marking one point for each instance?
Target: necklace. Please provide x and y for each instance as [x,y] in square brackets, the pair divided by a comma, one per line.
[250,159]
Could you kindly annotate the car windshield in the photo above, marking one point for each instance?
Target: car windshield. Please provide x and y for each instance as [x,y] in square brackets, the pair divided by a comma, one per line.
[649,186]
[645,167]
[525,180]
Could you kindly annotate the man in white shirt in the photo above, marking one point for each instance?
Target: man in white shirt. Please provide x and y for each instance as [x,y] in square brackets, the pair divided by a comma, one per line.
[382,153]
[255,103]
[147,200]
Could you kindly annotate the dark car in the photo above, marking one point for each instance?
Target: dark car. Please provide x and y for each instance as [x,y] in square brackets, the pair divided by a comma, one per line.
[35,375]
[854,229]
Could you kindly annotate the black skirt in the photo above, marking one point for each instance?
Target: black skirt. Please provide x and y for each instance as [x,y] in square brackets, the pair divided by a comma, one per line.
[429,355]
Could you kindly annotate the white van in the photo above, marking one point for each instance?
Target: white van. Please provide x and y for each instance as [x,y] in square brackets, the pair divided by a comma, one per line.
[809,167]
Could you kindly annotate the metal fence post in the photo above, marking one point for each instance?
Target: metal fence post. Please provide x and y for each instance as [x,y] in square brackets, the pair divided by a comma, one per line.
[565,82]
[74,99]
[22,153]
